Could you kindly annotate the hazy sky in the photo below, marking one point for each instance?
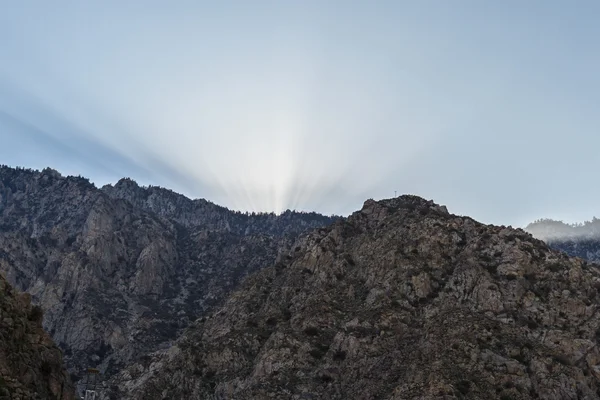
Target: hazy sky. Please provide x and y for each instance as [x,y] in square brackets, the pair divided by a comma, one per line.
[490,107]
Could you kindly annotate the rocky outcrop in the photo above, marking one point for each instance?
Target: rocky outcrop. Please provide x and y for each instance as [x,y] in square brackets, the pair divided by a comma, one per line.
[401,300]
[119,277]
[31,365]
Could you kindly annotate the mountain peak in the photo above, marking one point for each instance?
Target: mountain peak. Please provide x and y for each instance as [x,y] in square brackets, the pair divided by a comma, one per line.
[51,172]
[400,300]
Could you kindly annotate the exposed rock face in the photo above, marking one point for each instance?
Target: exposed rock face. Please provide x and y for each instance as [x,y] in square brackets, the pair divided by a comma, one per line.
[582,240]
[31,365]
[400,301]
[122,271]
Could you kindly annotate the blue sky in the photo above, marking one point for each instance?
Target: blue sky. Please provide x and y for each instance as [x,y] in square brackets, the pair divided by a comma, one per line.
[489,107]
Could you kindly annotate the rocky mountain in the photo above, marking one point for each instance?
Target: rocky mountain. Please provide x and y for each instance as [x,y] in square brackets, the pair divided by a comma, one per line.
[402,300]
[121,271]
[31,366]
[577,240]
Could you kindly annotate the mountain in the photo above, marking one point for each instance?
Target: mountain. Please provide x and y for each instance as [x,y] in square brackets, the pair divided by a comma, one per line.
[31,366]
[577,240]
[402,300]
[121,271]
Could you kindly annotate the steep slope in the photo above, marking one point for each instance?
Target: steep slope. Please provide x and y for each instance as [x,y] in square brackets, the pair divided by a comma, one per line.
[30,364]
[117,280]
[400,301]
[581,240]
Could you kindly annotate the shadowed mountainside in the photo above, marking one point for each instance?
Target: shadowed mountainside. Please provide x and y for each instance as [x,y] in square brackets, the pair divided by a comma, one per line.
[31,366]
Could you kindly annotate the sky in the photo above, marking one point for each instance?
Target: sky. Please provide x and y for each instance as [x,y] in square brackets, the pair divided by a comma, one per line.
[488,107]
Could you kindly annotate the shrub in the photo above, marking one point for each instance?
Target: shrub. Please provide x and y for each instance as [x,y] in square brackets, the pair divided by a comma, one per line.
[463,386]
[311,331]
[46,368]
[36,314]
[562,359]
[339,355]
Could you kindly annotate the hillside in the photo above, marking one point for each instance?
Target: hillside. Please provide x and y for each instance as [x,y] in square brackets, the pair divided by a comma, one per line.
[121,271]
[400,301]
[31,366]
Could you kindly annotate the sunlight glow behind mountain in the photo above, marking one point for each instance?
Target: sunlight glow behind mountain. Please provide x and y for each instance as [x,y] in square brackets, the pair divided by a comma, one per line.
[269,131]
[265,106]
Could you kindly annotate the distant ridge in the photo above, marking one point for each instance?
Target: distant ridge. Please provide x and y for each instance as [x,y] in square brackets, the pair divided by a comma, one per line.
[578,240]
[550,230]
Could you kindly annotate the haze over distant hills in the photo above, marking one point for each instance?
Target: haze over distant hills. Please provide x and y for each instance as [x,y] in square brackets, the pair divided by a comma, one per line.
[553,230]
[580,240]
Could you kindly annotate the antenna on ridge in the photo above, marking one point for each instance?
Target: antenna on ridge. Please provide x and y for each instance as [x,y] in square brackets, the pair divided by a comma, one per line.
[395,193]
